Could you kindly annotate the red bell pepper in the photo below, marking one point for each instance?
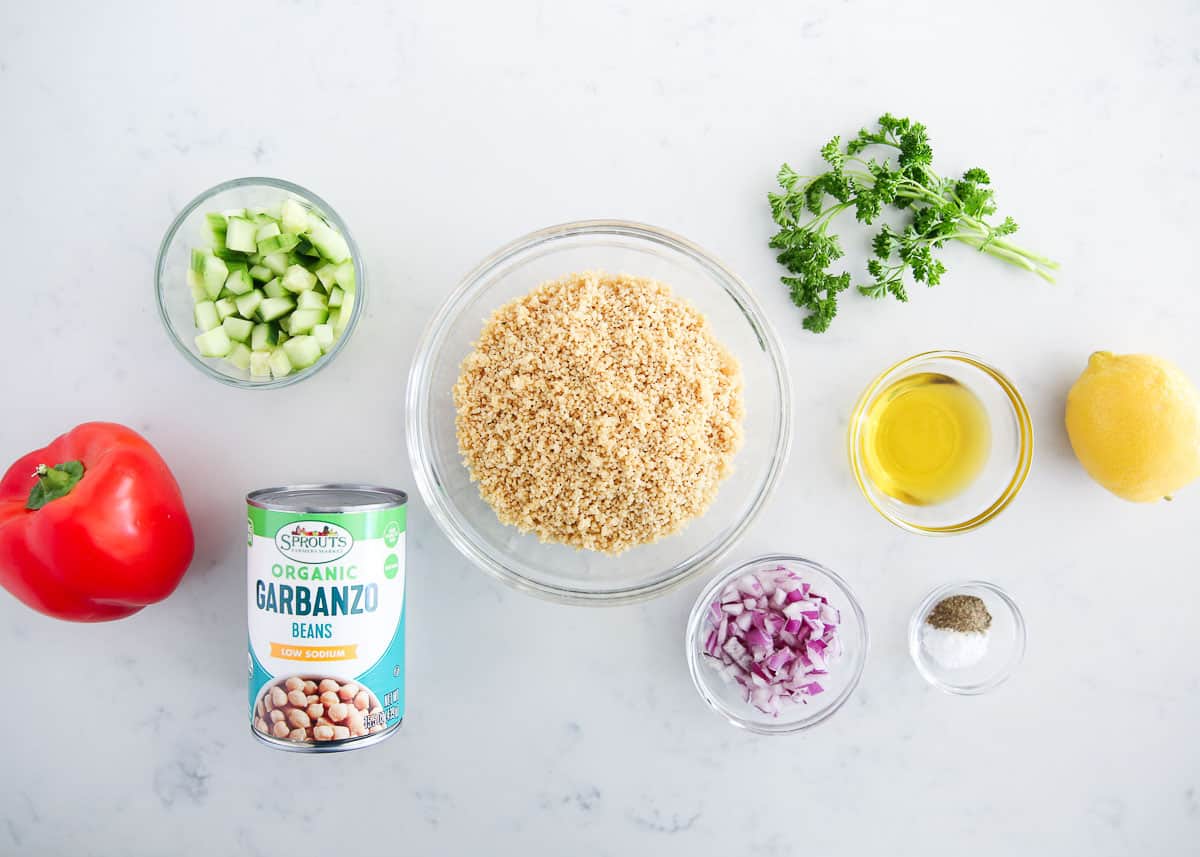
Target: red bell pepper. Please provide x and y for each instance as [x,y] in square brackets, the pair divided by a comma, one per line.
[92,527]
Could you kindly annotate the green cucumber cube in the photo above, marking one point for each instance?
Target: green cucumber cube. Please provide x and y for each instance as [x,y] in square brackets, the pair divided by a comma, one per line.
[261,273]
[304,320]
[269,229]
[277,244]
[311,300]
[206,316]
[225,308]
[238,282]
[276,262]
[213,272]
[247,304]
[280,338]
[239,355]
[298,279]
[335,296]
[214,343]
[264,337]
[196,284]
[273,308]
[305,248]
[275,289]
[323,333]
[345,311]
[326,239]
[260,365]
[279,363]
[345,276]
[237,329]
[227,255]
[293,217]
[217,226]
[240,235]
[302,351]
[325,274]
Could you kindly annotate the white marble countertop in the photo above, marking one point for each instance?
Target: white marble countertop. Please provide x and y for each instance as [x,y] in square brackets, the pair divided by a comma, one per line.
[440,131]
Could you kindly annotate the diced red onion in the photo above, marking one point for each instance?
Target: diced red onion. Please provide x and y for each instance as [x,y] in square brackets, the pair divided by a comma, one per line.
[771,634]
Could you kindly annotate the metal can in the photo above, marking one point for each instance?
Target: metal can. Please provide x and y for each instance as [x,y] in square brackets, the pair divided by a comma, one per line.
[325,583]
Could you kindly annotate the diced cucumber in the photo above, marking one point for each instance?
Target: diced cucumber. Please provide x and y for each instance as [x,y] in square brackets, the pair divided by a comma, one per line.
[237,329]
[302,351]
[217,227]
[240,235]
[327,240]
[212,271]
[293,217]
[311,300]
[206,316]
[276,262]
[298,279]
[305,248]
[277,244]
[264,337]
[323,333]
[345,275]
[196,284]
[273,308]
[239,355]
[225,308]
[325,274]
[260,364]
[227,255]
[275,289]
[345,311]
[279,363]
[214,343]
[304,320]
[247,304]
[238,282]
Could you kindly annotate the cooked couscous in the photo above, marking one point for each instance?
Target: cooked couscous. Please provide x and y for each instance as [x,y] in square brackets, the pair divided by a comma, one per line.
[599,411]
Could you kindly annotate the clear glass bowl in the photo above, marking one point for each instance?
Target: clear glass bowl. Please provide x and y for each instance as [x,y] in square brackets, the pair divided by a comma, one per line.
[1006,641]
[1008,461]
[558,572]
[729,700]
[189,230]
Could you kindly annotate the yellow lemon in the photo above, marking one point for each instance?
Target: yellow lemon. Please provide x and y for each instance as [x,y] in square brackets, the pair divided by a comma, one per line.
[1134,423]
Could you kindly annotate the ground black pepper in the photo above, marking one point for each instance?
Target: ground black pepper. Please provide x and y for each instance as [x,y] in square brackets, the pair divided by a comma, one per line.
[966,613]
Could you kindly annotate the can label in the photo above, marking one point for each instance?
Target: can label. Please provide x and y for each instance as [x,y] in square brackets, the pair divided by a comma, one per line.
[326,623]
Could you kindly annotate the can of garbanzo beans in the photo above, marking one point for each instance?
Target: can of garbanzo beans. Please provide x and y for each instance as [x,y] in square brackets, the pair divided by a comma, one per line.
[325,580]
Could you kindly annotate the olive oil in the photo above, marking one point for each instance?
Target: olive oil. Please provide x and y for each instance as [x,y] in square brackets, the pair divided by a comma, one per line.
[926,438]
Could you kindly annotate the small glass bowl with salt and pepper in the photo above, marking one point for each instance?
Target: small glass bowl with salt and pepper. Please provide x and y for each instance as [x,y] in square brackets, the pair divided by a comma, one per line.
[967,638]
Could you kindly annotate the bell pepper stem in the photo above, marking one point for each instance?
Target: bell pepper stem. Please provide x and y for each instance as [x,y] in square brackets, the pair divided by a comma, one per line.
[53,482]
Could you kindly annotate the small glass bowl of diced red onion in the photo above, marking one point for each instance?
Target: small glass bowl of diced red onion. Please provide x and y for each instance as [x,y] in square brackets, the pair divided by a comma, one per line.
[776,645]
[259,283]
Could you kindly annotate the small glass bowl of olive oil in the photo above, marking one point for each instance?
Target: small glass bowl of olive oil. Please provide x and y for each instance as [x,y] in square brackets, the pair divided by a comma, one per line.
[941,443]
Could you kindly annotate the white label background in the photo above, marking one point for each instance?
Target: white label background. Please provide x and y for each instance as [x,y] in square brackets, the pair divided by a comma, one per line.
[371,632]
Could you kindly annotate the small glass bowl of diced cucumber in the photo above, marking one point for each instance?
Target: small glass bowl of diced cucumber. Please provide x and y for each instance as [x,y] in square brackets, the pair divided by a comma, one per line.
[259,282]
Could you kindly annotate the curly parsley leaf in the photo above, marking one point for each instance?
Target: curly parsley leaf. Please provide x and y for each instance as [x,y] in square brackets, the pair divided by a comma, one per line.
[903,179]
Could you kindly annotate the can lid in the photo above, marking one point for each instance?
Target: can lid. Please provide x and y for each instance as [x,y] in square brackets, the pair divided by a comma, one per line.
[326,499]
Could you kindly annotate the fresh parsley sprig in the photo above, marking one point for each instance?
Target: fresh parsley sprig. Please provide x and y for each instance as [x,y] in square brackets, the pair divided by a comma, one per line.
[941,210]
